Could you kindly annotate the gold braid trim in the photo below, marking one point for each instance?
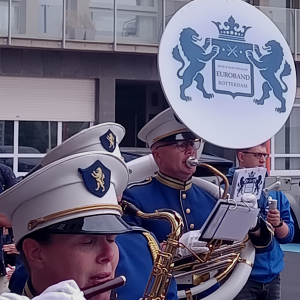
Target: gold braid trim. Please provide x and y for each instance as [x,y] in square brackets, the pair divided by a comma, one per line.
[33,223]
[26,291]
[152,245]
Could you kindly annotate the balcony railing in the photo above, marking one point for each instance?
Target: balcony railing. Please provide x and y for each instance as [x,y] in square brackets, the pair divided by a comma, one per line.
[113,22]
[107,24]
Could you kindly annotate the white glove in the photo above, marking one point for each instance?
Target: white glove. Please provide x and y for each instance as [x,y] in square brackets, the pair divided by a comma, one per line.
[12,296]
[65,290]
[251,201]
[190,240]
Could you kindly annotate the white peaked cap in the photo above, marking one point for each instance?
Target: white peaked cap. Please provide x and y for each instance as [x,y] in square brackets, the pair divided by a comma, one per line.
[161,126]
[101,137]
[80,189]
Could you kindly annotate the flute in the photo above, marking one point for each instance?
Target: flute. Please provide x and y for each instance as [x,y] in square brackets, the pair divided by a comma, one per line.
[94,290]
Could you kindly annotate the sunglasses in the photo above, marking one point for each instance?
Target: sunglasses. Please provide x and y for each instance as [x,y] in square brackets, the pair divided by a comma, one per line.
[183,145]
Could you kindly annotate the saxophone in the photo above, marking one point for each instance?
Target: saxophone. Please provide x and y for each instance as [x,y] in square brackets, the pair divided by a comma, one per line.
[162,271]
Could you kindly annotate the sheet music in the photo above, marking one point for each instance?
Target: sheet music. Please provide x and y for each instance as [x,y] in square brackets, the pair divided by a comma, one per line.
[228,222]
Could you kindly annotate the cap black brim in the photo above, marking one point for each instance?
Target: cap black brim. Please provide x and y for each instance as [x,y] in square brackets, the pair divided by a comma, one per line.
[98,224]
[183,136]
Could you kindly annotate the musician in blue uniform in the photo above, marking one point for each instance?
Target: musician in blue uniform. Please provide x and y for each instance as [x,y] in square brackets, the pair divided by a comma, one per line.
[137,248]
[171,143]
[65,218]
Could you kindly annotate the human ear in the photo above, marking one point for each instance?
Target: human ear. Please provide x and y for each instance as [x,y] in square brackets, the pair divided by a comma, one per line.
[33,252]
[156,157]
[240,156]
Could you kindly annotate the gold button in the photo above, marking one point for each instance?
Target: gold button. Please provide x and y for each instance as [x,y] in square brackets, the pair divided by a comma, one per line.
[187,210]
[183,196]
[192,226]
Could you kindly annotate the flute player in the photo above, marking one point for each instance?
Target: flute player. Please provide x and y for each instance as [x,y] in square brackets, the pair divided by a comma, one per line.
[65,219]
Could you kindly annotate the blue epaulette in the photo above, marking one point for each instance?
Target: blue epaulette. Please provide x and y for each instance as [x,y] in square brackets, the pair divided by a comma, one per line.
[138,183]
[139,229]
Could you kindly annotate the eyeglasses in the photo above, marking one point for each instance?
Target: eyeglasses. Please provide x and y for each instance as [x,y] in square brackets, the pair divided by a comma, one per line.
[258,155]
[183,145]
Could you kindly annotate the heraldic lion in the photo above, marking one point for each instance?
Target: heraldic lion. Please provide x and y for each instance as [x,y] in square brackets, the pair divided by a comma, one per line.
[268,66]
[197,57]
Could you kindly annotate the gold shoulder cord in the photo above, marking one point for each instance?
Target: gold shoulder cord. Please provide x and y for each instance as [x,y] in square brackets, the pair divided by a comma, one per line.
[152,245]
[27,292]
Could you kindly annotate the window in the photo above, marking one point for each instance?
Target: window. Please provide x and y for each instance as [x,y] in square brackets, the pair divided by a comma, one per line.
[285,145]
[23,144]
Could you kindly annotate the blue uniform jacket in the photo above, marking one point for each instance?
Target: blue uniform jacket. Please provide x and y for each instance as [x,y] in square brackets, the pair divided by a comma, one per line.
[7,180]
[268,265]
[136,263]
[161,192]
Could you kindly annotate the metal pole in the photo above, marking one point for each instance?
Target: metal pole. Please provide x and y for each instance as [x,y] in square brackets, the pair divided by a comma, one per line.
[9,21]
[64,25]
[115,26]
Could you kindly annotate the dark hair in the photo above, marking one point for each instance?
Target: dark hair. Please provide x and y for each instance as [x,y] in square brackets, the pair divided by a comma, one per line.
[42,236]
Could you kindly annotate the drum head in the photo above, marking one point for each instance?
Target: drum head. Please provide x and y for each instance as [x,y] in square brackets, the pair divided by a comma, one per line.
[227,72]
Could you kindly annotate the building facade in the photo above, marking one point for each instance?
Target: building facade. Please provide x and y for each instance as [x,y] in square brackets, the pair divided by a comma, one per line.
[67,64]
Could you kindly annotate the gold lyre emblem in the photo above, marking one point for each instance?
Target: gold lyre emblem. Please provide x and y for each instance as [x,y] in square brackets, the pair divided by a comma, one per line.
[111,140]
[99,176]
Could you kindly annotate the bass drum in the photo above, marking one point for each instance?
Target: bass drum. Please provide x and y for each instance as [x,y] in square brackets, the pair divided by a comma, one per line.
[144,167]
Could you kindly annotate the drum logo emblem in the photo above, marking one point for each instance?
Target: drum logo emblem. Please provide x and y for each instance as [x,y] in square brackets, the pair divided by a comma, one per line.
[232,62]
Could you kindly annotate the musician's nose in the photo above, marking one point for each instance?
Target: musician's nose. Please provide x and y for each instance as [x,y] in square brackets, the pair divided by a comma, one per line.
[189,148]
[108,251]
[262,159]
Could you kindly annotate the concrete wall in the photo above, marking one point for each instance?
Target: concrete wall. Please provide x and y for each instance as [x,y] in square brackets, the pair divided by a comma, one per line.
[106,67]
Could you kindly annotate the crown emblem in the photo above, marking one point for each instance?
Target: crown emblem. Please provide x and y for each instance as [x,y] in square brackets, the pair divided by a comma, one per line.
[251,175]
[230,30]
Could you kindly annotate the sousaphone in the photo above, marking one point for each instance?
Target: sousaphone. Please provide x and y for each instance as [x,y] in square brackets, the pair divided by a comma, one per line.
[229,76]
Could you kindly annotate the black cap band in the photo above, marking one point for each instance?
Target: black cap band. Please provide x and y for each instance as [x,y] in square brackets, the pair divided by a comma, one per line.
[98,224]
[182,136]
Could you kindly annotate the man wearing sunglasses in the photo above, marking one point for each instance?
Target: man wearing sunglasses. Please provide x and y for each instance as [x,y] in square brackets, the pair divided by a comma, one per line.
[264,281]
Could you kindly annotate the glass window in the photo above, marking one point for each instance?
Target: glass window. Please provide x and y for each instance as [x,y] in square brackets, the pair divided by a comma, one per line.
[3,17]
[271,3]
[17,17]
[287,163]
[172,6]
[37,136]
[7,161]
[287,140]
[50,18]
[6,136]
[25,164]
[102,17]
[139,21]
[71,128]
